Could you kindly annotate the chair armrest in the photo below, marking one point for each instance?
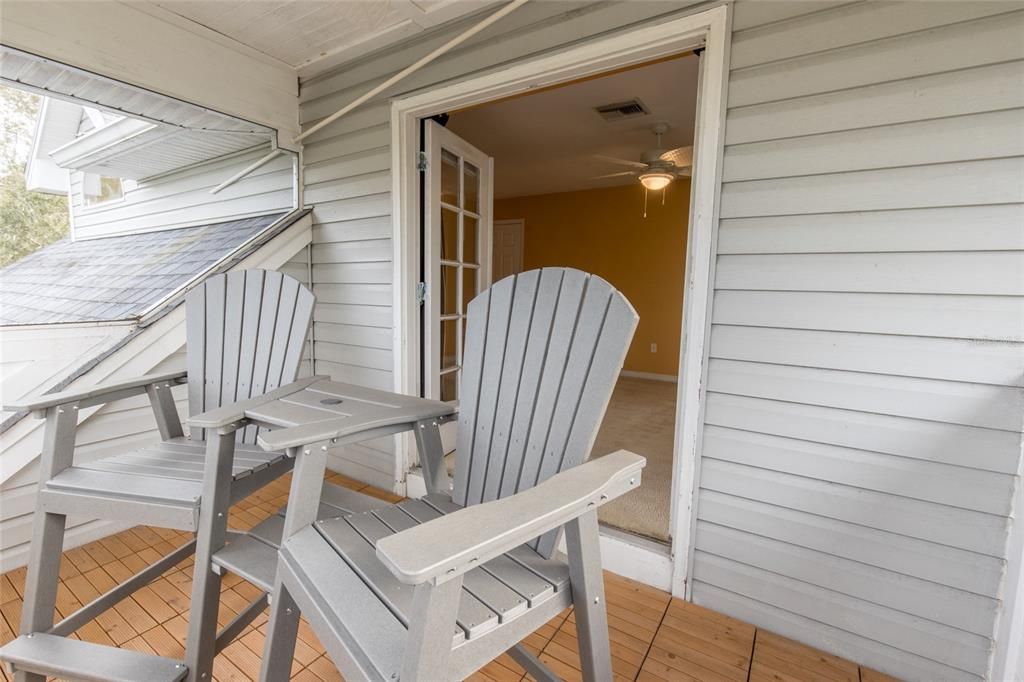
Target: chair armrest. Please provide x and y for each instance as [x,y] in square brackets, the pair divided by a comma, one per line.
[94,395]
[453,544]
[341,429]
[227,415]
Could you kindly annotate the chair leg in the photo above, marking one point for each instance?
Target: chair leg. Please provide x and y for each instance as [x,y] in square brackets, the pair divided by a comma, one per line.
[582,540]
[41,581]
[282,630]
[429,646]
[47,529]
[200,643]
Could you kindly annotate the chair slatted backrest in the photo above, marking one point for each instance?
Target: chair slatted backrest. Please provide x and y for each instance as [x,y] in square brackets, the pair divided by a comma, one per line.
[245,331]
[542,354]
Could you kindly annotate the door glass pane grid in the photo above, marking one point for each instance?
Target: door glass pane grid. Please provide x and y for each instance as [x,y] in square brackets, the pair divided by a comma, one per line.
[460,260]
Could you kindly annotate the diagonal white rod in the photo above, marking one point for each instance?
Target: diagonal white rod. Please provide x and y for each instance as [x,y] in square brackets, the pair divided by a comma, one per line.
[248,169]
[412,68]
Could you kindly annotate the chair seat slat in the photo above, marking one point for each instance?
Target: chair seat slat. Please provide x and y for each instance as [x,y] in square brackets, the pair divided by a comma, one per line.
[475,617]
[496,595]
[340,604]
[530,584]
[360,555]
[118,484]
[170,472]
[552,571]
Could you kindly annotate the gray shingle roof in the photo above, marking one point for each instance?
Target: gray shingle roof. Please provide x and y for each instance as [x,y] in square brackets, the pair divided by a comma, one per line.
[115,278]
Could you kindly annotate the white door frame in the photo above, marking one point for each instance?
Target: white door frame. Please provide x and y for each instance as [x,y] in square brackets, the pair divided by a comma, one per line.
[712,28]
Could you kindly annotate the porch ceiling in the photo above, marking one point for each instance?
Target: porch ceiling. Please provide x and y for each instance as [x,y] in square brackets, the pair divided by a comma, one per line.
[315,35]
[158,134]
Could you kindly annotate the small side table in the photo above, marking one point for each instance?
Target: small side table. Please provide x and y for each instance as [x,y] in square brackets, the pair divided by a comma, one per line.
[306,417]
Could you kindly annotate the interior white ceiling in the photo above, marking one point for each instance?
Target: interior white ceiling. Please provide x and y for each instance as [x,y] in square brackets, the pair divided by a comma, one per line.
[545,142]
[313,36]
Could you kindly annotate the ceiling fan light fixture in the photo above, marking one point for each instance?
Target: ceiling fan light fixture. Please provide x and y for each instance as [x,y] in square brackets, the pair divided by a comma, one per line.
[655,180]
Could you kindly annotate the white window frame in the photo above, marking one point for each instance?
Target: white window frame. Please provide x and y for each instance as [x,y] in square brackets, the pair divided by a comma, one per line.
[86,206]
[710,28]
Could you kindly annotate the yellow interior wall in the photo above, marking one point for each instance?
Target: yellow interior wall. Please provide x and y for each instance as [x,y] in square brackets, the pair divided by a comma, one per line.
[603,231]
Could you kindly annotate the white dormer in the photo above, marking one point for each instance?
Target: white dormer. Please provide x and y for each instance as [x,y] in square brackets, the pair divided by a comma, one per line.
[57,124]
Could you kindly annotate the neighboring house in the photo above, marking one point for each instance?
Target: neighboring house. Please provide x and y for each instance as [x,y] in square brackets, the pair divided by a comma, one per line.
[857,428]
[106,301]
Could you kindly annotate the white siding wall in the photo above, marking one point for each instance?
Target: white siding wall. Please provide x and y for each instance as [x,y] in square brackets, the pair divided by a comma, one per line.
[864,405]
[183,198]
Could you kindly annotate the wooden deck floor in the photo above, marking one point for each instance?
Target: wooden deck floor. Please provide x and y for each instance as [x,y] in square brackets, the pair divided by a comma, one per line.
[653,637]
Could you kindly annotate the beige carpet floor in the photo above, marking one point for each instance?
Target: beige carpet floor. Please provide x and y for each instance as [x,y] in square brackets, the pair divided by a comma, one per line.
[641,418]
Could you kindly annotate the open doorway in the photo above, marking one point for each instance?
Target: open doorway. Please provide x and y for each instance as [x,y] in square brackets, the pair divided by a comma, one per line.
[652,562]
[591,174]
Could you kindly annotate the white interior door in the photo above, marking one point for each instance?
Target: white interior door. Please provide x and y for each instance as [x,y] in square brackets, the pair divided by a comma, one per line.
[457,209]
[508,248]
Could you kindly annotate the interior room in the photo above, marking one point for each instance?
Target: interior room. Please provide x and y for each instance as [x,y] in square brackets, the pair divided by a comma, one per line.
[568,191]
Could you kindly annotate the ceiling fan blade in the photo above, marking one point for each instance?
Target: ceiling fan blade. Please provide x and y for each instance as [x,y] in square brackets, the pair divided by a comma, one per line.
[684,172]
[613,175]
[680,156]
[621,162]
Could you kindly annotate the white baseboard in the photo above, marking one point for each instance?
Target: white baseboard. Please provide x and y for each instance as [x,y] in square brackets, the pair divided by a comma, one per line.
[624,554]
[670,378]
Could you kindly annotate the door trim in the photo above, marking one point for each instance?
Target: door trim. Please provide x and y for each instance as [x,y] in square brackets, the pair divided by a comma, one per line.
[712,28]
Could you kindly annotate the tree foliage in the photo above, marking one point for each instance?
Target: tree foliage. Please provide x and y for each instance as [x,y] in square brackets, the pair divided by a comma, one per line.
[28,220]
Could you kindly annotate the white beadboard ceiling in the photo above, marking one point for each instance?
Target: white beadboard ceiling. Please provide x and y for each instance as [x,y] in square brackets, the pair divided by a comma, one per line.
[313,36]
[545,142]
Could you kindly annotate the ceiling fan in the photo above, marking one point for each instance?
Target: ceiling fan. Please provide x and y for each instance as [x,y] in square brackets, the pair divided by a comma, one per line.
[657,167]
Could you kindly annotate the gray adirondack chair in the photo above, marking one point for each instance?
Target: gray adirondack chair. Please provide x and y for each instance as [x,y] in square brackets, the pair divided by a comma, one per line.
[433,589]
[245,336]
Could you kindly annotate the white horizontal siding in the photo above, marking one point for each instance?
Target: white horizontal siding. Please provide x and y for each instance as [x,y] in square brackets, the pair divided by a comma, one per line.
[927,50]
[991,228]
[183,198]
[863,428]
[863,424]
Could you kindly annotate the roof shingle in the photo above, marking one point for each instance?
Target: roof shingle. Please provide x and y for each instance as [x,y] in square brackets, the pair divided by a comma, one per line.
[115,278]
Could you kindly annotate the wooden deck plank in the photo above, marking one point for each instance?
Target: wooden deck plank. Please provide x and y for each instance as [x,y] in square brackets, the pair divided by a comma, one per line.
[654,637]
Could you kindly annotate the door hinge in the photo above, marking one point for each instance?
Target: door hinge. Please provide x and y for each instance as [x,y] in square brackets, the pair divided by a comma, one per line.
[421,292]
[421,161]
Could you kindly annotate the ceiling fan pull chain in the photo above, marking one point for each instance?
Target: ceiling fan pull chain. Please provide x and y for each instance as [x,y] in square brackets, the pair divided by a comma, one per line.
[645,202]
[663,193]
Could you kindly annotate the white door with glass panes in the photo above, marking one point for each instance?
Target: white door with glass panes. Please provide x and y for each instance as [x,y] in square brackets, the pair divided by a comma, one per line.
[457,207]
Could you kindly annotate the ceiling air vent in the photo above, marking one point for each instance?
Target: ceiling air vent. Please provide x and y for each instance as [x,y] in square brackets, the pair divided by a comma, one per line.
[621,110]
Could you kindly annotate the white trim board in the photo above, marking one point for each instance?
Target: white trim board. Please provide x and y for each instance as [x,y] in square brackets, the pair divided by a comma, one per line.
[628,47]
